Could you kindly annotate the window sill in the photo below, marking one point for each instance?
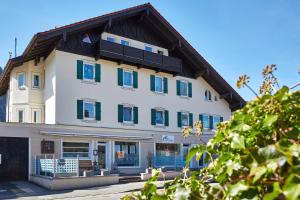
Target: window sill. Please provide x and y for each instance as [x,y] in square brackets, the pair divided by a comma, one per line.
[159,93]
[185,97]
[128,124]
[22,88]
[89,120]
[89,82]
[160,126]
[128,88]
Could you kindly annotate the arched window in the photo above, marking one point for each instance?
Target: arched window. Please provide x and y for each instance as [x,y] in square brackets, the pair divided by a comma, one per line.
[207,95]
[86,39]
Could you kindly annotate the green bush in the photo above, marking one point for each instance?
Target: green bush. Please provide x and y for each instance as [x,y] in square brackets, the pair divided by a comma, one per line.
[255,155]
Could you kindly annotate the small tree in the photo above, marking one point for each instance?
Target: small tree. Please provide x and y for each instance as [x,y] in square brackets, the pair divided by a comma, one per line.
[255,155]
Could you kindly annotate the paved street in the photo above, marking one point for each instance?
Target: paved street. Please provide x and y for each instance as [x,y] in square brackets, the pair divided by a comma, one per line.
[27,191]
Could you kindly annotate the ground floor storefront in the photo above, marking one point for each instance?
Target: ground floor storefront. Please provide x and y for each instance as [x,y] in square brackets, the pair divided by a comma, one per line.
[53,150]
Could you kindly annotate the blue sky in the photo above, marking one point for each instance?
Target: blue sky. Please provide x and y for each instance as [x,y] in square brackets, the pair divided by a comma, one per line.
[236,37]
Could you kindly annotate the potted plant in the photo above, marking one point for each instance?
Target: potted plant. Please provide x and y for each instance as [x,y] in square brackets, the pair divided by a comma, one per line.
[150,163]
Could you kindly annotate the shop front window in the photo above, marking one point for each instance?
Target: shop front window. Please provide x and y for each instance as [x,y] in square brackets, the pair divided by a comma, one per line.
[127,154]
[167,154]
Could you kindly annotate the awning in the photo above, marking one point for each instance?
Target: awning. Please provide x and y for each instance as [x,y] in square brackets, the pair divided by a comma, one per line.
[104,136]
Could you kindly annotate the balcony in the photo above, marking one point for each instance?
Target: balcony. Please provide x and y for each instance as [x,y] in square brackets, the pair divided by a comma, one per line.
[135,56]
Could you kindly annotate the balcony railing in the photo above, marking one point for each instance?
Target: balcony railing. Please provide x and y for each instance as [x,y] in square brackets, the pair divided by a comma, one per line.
[139,57]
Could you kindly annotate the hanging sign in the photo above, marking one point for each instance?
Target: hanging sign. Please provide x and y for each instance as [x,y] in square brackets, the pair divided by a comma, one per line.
[168,138]
[120,154]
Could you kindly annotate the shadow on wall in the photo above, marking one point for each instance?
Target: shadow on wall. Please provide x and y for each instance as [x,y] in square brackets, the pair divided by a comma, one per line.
[2,104]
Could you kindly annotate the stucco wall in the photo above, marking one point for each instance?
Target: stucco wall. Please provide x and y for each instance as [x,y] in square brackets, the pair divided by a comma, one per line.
[69,89]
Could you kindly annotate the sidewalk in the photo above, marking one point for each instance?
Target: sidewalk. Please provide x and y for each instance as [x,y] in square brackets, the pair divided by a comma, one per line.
[28,191]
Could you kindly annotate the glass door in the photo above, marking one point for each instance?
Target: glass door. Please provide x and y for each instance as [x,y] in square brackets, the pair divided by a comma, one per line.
[102,155]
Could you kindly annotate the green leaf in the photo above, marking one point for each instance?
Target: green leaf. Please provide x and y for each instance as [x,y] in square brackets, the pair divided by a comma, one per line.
[275,193]
[259,172]
[235,189]
[269,120]
[192,153]
[282,94]
[238,142]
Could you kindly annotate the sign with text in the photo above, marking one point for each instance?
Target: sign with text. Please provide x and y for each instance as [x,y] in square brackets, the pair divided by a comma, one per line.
[168,138]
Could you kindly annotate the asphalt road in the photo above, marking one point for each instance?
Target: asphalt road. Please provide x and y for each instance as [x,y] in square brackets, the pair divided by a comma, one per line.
[28,191]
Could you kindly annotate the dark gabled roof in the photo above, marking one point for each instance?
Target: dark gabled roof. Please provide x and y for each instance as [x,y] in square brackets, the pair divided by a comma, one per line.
[43,43]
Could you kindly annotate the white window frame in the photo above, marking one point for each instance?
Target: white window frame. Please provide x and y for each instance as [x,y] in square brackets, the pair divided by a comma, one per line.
[23,115]
[131,74]
[39,116]
[132,114]
[208,95]
[79,141]
[108,38]
[21,87]
[92,102]
[162,84]
[94,73]
[187,88]
[148,46]
[32,80]
[123,40]
[163,116]
[188,119]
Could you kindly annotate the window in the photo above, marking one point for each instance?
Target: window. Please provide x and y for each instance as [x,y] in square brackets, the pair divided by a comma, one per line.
[207,95]
[89,110]
[216,120]
[166,154]
[88,72]
[127,114]
[127,154]
[128,78]
[21,81]
[86,39]
[184,119]
[158,84]
[184,88]
[36,116]
[205,122]
[159,117]
[76,149]
[36,81]
[20,116]
[160,52]
[147,48]
[124,42]
[110,39]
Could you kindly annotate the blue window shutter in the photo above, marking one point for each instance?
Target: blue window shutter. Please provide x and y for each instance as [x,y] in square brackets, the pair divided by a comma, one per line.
[191,120]
[178,87]
[190,90]
[79,69]
[135,115]
[165,85]
[211,122]
[135,79]
[166,118]
[152,83]
[97,72]
[201,119]
[221,119]
[179,124]
[153,117]
[79,109]
[120,113]
[98,111]
[120,76]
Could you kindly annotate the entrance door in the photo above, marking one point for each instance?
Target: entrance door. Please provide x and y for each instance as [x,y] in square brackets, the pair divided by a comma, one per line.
[13,159]
[102,155]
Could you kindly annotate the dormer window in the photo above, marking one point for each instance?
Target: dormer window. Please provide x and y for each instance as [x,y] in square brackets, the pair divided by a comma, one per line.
[86,39]
[207,95]
[148,48]
[110,39]
[124,42]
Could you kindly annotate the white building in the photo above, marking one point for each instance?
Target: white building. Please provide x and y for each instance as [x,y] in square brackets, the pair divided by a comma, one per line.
[112,89]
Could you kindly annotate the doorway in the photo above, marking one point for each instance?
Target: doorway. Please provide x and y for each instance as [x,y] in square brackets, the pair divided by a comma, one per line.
[102,155]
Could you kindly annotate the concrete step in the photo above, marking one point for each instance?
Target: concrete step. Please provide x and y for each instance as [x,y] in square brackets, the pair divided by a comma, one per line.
[129,179]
